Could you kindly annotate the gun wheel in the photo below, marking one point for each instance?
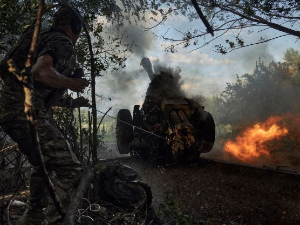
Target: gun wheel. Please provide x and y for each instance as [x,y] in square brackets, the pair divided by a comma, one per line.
[124,131]
[205,133]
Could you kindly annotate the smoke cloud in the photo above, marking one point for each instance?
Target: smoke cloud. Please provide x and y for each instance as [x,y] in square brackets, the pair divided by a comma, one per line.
[249,55]
[128,88]
[167,82]
[125,88]
[134,36]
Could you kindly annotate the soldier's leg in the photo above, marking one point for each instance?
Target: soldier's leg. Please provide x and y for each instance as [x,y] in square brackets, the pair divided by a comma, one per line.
[37,201]
[59,158]
[18,130]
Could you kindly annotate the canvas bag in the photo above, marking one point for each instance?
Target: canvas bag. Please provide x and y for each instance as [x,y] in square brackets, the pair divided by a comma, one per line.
[123,186]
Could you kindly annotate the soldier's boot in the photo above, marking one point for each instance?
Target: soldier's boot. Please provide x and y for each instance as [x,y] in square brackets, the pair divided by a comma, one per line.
[52,216]
[37,201]
[63,191]
[55,220]
[31,217]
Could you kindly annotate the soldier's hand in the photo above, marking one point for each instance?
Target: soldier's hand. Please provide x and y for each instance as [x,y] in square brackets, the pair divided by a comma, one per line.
[78,84]
[80,102]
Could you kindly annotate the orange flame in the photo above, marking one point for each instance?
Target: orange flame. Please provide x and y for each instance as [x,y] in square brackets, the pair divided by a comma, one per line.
[251,144]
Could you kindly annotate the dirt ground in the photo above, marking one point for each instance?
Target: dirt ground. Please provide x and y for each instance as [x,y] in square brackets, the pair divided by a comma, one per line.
[208,193]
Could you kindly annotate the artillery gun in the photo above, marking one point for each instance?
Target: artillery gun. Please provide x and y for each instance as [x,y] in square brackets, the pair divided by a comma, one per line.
[168,127]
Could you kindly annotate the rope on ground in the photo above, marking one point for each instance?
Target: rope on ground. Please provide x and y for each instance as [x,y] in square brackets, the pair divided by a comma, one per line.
[91,207]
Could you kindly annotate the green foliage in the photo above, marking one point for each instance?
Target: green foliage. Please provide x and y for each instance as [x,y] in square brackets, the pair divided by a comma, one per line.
[270,90]
[292,59]
[259,94]
[170,212]
[15,16]
[103,130]
[65,122]
[215,106]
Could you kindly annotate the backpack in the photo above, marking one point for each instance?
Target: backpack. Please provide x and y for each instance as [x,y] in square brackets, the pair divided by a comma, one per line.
[26,37]
[123,186]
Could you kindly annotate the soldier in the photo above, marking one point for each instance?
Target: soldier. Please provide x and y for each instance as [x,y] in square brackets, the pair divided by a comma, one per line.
[52,70]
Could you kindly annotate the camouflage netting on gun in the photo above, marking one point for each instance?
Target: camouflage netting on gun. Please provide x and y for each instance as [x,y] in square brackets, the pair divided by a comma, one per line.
[164,85]
[167,112]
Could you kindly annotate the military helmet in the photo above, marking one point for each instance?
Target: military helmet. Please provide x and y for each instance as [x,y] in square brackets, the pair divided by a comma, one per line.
[67,15]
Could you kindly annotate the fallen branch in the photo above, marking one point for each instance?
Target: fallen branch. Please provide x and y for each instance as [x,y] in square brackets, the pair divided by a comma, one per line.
[77,199]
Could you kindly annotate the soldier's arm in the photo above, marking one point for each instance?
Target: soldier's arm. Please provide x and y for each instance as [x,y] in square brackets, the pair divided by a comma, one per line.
[69,102]
[43,72]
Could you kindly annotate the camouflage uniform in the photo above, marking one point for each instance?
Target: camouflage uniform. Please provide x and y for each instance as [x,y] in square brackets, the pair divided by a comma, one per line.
[56,153]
